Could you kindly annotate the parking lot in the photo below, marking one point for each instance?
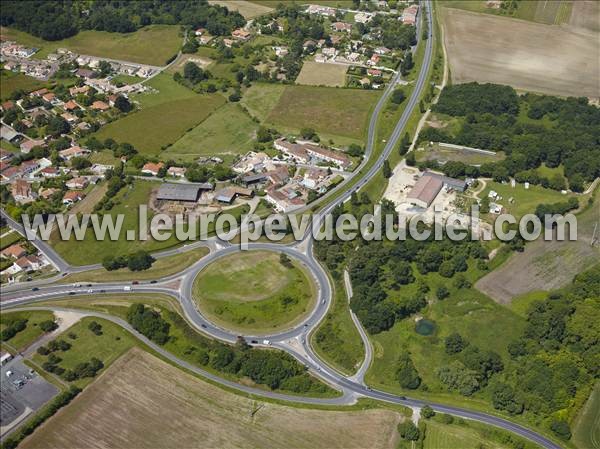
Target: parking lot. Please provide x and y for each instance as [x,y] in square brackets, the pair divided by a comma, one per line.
[22,391]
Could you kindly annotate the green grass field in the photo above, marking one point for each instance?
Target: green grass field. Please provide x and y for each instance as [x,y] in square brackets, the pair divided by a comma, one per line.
[126,79]
[454,436]
[474,316]
[525,200]
[332,3]
[339,112]
[153,44]
[165,266]
[586,428]
[91,250]
[254,291]
[552,12]
[28,335]
[107,347]
[152,129]
[337,340]
[10,82]
[227,132]
[260,99]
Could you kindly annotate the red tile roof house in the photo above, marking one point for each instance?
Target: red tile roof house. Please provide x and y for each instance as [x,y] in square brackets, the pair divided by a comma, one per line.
[49,97]
[50,172]
[28,263]
[72,197]
[39,92]
[77,183]
[21,191]
[73,152]
[374,72]
[100,106]
[70,106]
[13,251]
[176,171]
[11,173]
[241,34]
[27,145]
[342,26]
[7,105]
[151,168]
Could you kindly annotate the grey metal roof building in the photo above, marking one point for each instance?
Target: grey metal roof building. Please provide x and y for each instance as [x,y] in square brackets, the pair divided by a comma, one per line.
[181,192]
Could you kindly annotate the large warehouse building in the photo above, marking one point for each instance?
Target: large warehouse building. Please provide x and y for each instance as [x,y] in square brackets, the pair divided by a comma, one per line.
[181,192]
[429,185]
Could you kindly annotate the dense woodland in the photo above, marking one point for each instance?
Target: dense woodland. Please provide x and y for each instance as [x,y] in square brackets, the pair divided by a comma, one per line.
[530,129]
[55,20]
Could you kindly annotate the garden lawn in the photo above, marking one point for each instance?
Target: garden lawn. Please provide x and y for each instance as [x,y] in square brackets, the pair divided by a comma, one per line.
[31,333]
[227,132]
[254,291]
[152,45]
[153,128]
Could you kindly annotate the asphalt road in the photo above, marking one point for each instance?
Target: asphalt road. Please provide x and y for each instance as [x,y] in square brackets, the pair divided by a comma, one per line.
[351,388]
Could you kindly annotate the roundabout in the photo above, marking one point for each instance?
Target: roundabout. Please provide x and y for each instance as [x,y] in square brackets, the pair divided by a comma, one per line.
[258,292]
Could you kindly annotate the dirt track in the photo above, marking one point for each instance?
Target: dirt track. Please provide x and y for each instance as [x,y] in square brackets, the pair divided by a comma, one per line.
[528,56]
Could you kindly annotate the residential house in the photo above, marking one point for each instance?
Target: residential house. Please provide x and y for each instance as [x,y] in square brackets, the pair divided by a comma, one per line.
[374,60]
[382,50]
[178,172]
[241,34]
[70,118]
[374,72]
[321,10]
[100,106]
[71,197]
[47,193]
[50,97]
[39,92]
[228,42]
[341,27]
[363,17]
[50,172]
[28,144]
[100,169]
[14,251]
[21,192]
[7,105]
[409,15]
[78,183]
[28,263]
[71,152]
[151,168]
[86,73]
[78,90]
[70,106]
[200,31]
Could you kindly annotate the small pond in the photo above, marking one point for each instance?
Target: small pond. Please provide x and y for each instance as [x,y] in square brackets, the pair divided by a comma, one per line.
[425,327]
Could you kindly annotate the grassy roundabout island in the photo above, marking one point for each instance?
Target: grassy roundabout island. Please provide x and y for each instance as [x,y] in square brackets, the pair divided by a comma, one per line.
[254,292]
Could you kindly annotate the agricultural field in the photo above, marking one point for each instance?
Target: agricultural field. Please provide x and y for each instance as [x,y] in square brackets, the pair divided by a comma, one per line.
[528,56]
[28,335]
[162,267]
[254,291]
[550,12]
[164,403]
[331,3]
[586,15]
[317,74]
[107,347]
[226,133]
[245,8]
[545,265]
[339,112]
[153,128]
[152,45]
[10,82]
[444,154]
[586,429]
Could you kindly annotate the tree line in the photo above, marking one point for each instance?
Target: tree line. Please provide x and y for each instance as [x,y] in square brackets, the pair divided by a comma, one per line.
[54,20]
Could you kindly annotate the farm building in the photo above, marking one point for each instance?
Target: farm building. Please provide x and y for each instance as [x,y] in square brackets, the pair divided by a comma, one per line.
[181,192]
[429,185]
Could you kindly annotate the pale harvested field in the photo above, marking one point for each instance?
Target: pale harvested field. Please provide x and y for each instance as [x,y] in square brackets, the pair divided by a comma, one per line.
[86,205]
[528,56]
[319,74]
[143,402]
[545,265]
[245,8]
[586,14]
